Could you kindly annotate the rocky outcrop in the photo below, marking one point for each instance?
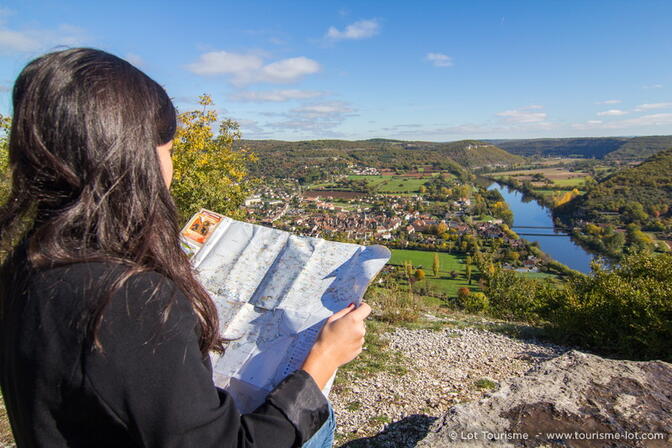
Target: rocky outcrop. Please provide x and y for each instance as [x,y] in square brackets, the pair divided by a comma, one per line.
[574,400]
[440,369]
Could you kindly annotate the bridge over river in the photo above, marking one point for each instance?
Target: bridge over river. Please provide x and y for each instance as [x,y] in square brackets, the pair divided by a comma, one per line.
[553,231]
[534,222]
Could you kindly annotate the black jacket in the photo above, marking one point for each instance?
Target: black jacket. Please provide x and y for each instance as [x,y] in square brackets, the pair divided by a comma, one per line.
[149,387]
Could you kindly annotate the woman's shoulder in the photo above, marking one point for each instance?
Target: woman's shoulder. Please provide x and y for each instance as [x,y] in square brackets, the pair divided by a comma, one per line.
[126,297]
[99,276]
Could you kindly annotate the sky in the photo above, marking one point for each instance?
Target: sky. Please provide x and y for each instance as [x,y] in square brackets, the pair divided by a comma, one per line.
[424,70]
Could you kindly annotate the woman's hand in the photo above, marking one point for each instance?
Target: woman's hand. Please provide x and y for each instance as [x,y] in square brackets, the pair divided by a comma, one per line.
[339,342]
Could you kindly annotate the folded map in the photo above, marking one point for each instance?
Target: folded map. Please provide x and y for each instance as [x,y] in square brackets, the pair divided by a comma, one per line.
[273,291]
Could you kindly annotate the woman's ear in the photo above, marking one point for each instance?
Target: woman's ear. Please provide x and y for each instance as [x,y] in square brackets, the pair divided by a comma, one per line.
[166,161]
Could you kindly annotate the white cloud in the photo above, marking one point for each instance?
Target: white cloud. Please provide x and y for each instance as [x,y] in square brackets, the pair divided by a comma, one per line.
[34,40]
[323,109]
[609,102]
[316,118]
[358,30]
[225,63]
[526,114]
[249,68]
[637,124]
[652,106]
[18,41]
[289,70]
[652,86]
[275,96]
[252,129]
[646,120]
[440,59]
[611,113]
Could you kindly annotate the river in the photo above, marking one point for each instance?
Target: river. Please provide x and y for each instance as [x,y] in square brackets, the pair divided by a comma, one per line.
[534,222]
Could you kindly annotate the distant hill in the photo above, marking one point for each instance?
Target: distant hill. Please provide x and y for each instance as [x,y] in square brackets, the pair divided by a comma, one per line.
[639,148]
[295,159]
[563,147]
[649,184]
[612,148]
[476,154]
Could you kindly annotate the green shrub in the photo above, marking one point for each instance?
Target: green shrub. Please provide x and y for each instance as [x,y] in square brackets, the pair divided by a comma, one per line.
[513,296]
[475,303]
[625,311]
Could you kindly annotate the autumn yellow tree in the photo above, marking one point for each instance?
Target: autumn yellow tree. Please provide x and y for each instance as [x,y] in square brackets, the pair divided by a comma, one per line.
[208,173]
[436,265]
[5,180]
[566,197]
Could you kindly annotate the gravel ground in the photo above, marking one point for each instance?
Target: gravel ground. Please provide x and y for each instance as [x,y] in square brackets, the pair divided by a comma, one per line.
[444,368]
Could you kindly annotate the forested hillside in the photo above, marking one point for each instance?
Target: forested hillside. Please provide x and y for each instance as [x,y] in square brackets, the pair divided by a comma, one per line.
[639,194]
[639,148]
[304,159]
[474,153]
[612,148]
[562,147]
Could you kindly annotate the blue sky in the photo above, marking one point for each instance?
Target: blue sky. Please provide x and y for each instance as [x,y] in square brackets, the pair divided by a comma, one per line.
[425,70]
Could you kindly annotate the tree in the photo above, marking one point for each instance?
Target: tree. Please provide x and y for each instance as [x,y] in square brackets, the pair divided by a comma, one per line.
[623,310]
[475,302]
[463,293]
[436,265]
[208,173]
[634,212]
[408,268]
[5,179]
[441,228]
[637,240]
[566,197]
[419,275]
[468,269]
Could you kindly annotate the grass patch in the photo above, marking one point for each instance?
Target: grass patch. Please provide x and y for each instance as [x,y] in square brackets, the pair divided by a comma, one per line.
[392,184]
[353,406]
[486,384]
[571,182]
[444,283]
[380,420]
[449,262]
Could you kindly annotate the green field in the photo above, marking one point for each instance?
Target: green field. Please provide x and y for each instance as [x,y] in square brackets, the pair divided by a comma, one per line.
[396,184]
[449,262]
[573,182]
[372,181]
[393,184]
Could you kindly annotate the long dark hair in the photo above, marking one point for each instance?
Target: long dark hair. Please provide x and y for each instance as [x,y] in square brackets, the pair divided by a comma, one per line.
[85,170]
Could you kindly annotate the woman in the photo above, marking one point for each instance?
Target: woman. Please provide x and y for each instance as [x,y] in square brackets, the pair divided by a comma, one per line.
[105,332]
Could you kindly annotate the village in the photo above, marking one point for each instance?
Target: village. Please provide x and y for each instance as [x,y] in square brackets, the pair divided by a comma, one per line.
[398,221]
